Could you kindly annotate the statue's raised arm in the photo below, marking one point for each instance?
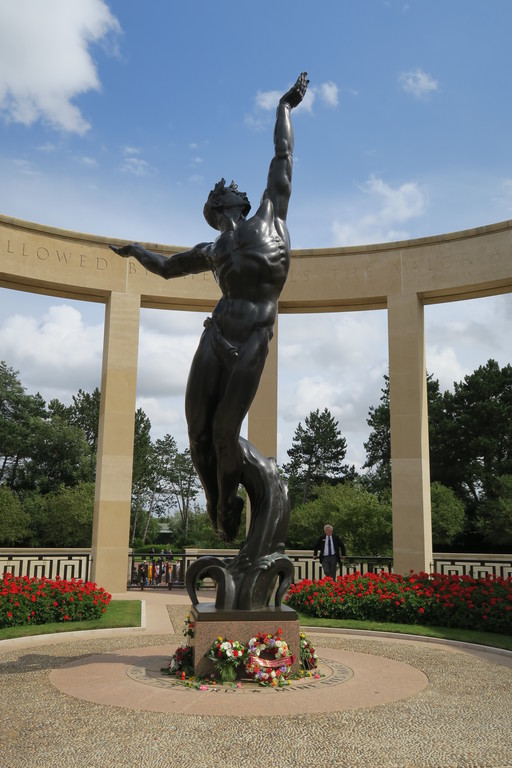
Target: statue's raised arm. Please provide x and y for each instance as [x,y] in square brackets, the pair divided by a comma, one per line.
[279,182]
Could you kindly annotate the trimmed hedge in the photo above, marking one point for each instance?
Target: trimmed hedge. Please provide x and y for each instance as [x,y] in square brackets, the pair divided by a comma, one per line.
[420,598]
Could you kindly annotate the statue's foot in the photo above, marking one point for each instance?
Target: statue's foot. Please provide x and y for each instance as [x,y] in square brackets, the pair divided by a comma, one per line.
[228,519]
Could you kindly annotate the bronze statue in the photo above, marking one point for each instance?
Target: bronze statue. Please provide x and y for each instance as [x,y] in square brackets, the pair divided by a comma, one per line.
[250,261]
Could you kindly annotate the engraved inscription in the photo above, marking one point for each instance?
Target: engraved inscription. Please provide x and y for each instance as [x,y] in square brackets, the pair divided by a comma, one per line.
[332,673]
[42,253]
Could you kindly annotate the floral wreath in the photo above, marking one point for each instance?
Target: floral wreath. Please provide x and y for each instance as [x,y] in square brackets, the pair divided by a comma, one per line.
[264,670]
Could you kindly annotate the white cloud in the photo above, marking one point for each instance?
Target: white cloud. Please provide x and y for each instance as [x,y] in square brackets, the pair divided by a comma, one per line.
[166,416]
[88,161]
[137,166]
[308,101]
[345,356]
[418,83]
[385,207]
[45,61]
[267,100]
[330,94]
[165,354]
[57,353]
[47,148]
[26,167]
[398,204]
[445,364]
[134,164]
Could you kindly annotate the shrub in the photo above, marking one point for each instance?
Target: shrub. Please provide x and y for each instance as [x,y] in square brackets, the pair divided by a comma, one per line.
[429,599]
[25,600]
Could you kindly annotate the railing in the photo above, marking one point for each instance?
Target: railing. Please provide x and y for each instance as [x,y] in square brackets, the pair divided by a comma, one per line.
[306,567]
[65,563]
[76,564]
[171,572]
[151,570]
[477,566]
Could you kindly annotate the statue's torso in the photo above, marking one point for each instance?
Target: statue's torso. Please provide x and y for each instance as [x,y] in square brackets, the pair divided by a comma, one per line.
[250,264]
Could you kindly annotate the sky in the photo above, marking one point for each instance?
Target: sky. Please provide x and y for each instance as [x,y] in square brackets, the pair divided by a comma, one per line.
[118,117]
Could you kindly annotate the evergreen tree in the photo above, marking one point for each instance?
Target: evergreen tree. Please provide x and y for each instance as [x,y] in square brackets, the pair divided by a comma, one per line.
[494,517]
[316,456]
[378,445]
[85,413]
[478,433]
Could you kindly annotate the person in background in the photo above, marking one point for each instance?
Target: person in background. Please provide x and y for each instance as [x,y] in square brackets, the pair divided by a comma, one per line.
[143,574]
[329,549]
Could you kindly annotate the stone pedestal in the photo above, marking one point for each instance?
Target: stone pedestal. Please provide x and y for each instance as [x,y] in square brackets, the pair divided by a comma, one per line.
[211,622]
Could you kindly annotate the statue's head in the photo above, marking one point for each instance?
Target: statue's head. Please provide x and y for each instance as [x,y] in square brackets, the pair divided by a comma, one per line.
[221,198]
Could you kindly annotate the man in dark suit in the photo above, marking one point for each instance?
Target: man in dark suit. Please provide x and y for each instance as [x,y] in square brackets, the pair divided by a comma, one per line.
[329,549]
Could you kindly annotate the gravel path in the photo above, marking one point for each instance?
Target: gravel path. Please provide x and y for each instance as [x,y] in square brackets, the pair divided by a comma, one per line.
[462,720]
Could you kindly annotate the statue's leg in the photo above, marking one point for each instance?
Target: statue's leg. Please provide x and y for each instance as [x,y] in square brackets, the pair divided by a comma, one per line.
[204,382]
[238,395]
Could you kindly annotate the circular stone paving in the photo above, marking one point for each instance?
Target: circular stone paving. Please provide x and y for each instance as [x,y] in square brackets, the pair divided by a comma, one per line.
[133,679]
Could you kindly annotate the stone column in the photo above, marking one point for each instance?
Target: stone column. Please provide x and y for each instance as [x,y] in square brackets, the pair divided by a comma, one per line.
[262,431]
[262,418]
[111,527]
[410,465]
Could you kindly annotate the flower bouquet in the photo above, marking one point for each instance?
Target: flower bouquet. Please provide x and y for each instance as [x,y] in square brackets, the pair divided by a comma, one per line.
[226,656]
[182,662]
[269,659]
[308,655]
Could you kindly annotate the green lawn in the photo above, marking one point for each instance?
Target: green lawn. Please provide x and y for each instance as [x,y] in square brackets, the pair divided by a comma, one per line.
[446,633]
[126,613]
[120,613]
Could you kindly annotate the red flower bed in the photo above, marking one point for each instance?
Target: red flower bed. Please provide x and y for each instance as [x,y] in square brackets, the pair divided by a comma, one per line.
[433,599]
[25,600]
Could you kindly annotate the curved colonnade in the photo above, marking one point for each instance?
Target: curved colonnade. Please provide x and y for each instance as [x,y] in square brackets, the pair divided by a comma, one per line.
[400,278]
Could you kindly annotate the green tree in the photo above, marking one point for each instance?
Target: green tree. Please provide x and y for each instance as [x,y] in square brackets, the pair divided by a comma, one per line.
[361,519]
[67,516]
[494,517]
[20,415]
[448,516]
[14,521]
[378,445]
[478,433]
[58,455]
[176,482]
[316,456]
[85,413]
[143,475]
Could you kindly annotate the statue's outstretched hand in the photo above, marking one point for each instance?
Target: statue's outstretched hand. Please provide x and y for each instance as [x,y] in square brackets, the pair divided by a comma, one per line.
[125,250]
[294,96]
